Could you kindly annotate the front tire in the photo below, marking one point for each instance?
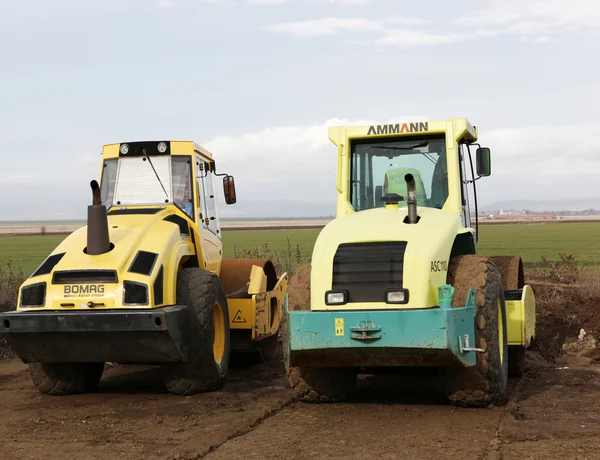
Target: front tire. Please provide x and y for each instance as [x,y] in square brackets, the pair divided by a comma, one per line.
[209,335]
[313,384]
[485,383]
[322,384]
[65,378]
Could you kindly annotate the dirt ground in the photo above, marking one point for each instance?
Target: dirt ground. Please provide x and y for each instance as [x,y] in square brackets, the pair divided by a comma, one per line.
[553,413]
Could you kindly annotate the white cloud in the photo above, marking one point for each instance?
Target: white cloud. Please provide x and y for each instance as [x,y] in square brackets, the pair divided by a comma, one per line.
[406,21]
[388,35]
[534,17]
[546,152]
[284,2]
[166,3]
[325,26]
[408,37]
[19,178]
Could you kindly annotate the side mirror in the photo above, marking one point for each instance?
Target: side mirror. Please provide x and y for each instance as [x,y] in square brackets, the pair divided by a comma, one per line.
[229,189]
[484,161]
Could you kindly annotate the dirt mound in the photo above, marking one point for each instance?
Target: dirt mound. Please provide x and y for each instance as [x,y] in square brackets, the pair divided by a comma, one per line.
[299,289]
[562,311]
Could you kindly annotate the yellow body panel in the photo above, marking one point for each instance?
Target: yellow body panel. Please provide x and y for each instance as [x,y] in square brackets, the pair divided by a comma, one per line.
[129,233]
[520,316]
[269,309]
[263,312]
[241,313]
[429,241]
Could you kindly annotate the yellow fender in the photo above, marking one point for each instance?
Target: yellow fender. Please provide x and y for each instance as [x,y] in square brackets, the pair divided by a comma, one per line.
[520,315]
[257,305]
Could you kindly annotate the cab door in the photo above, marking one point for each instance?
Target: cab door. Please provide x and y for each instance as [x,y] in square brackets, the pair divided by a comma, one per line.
[208,219]
[466,211]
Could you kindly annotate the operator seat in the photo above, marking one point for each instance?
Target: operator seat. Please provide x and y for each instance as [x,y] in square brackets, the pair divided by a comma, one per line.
[394,182]
[439,183]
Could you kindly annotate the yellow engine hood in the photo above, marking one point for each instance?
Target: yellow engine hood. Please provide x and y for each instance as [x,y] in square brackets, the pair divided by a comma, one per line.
[429,243]
[129,233]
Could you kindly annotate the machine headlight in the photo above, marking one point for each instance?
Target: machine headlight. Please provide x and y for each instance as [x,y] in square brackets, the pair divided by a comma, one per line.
[336,297]
[124,149]
[396,296]
[162,147]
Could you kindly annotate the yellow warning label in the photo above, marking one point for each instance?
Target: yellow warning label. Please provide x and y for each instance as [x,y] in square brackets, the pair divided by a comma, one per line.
[339,326]
[238,318]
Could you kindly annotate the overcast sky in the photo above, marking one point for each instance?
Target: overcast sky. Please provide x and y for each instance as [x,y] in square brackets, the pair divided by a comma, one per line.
[259,81]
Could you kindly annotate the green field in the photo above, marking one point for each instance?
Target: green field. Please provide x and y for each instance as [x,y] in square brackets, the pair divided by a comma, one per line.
[530,241]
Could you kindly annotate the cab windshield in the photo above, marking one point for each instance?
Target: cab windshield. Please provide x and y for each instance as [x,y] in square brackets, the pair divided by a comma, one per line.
[151,180]
[378,167]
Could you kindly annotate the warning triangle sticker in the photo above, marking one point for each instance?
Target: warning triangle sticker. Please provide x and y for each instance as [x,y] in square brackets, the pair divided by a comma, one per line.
[238,318]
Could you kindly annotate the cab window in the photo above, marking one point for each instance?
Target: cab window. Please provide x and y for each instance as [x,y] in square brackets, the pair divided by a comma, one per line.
[378,167]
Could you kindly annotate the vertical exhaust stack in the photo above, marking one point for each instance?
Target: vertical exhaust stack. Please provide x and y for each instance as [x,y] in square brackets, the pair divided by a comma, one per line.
[98,241]
[412,199]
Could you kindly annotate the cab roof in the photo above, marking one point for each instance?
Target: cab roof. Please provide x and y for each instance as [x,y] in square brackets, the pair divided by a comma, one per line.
[460,127]
[134,148]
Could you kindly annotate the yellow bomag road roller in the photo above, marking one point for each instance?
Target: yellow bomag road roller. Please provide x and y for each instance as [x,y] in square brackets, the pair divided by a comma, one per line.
[144,281]
[396,283]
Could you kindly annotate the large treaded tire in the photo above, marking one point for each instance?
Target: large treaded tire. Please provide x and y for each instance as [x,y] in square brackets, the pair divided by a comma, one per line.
[316,384]
[65,378]
[485,383]
[322,384]
[202,292]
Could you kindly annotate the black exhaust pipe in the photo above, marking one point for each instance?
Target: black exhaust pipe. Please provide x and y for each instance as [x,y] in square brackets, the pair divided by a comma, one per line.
[98,241]
[412,198]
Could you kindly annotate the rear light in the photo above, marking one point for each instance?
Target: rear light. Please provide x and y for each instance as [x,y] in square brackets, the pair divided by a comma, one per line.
[336,297]
[396,296]
[33,295]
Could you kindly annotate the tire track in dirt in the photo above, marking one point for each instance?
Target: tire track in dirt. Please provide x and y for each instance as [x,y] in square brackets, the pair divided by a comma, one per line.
[132,416]
[552,414]
[253,425]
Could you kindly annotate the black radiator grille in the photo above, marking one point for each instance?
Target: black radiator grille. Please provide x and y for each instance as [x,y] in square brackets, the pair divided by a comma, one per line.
[84,276]
[367,270]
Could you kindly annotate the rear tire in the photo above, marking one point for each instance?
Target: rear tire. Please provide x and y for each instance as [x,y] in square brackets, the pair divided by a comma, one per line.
[209,335]
[486,382]
[65,378]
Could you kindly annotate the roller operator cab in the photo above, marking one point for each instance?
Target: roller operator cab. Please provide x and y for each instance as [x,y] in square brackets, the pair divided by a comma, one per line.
[396,280]
[145,281]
